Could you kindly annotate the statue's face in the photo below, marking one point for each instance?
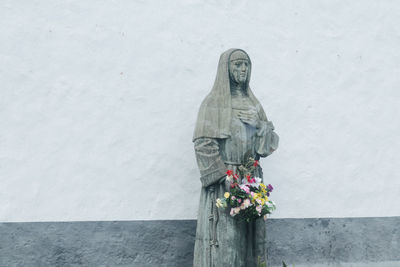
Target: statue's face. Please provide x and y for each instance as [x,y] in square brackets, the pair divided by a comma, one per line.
[239,69]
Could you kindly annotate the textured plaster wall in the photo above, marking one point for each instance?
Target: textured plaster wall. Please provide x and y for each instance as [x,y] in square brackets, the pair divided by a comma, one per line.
[99,100]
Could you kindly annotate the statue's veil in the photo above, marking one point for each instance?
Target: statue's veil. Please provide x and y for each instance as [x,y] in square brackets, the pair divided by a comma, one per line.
[214,118]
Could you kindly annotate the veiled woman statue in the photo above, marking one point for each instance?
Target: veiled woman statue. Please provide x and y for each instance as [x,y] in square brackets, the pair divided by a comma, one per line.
[231,126]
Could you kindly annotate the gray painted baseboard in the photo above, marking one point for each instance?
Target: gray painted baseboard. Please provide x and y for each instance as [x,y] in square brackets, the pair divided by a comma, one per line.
[305,242]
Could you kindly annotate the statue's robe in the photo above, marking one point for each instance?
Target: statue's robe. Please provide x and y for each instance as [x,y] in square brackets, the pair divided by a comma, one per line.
[222,141]
[222,240]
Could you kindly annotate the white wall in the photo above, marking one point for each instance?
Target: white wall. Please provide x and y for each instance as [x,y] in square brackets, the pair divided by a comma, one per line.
[99,100]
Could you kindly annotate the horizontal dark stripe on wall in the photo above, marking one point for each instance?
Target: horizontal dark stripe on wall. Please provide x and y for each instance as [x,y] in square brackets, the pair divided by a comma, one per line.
[170,242]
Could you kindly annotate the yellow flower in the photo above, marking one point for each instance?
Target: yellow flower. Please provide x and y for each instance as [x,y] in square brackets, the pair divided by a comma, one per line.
[263,186]
[226,195]
[260,201]
[266,198]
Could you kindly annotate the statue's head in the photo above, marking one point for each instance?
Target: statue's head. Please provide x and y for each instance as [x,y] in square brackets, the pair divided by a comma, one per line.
[239,67]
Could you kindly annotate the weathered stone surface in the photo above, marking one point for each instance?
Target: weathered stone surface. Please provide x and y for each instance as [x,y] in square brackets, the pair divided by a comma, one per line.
[129,243]
[303,242]
[231,128]
[309,241]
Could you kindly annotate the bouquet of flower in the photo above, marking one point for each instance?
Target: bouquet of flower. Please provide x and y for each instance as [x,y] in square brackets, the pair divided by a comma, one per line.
[249,199]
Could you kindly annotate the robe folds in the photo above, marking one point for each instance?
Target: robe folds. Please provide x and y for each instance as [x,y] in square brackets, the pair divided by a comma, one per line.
[230,242]
[222,141]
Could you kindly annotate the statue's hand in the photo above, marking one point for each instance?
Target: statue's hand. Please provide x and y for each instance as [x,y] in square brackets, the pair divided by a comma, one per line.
[250,117]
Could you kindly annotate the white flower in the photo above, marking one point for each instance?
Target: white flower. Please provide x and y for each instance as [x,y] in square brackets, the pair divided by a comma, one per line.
[255,184]
[218,203]
[221,203]
[259,209]
[247,202]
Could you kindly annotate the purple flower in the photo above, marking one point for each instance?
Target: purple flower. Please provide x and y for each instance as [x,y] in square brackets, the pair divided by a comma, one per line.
[269,188]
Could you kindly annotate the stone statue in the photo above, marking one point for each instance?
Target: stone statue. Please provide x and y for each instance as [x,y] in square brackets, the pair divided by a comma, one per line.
[231,126]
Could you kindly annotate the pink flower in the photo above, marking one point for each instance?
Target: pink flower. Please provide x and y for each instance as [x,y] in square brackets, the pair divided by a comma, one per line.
[232,213]
[245,188]
[239,200]
[233,197]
